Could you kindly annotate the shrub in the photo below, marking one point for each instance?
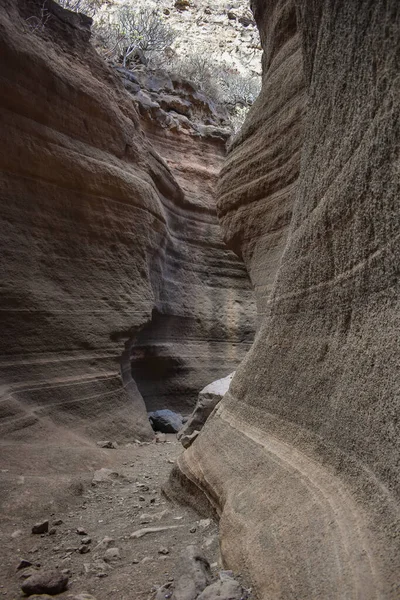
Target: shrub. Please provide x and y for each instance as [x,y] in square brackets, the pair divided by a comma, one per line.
[126,30]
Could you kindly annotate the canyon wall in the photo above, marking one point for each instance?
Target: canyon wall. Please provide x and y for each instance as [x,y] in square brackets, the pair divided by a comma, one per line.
[300,460]
[102,247]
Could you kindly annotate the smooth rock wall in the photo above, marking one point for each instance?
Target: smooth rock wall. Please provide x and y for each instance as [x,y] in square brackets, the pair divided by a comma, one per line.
[92,219]
[300,460]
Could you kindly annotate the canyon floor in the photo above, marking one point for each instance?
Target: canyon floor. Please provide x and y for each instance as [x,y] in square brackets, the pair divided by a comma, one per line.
[128,497]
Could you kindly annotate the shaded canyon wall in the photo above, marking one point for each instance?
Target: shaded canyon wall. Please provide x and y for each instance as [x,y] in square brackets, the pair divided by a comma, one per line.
[300,460]
[98,237]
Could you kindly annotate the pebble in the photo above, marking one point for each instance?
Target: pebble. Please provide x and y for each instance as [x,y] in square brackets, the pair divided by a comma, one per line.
[163,551]
[84,549]
[81,531]
[41,527]
[193,530]
[52,531]
[58,522]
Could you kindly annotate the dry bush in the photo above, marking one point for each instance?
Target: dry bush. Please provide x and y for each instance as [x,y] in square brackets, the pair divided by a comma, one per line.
[125,31]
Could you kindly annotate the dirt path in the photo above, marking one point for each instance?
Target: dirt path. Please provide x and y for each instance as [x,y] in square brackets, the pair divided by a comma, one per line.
[127,501]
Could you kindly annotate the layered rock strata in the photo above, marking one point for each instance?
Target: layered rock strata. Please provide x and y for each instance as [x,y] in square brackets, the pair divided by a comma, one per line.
[300,460]
[203,317]
[99,240]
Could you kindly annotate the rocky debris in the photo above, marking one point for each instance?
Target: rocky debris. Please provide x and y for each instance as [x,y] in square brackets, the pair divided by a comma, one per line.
[208,399]
[175,103]
[45,582]
[42,527]
[108,444]
[81,531]
[165,421]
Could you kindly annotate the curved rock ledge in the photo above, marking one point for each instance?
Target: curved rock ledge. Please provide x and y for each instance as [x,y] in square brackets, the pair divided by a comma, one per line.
[300,460]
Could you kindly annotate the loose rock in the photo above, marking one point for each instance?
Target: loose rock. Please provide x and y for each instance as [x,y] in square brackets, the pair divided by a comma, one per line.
[165,421]
[41,527]
[24,564]
[45,582]
[112,555]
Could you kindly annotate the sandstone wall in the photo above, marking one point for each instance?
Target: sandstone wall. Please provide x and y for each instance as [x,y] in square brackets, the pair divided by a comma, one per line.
[99,240]
[300,461]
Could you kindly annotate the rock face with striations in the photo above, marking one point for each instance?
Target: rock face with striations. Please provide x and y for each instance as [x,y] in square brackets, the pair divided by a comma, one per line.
[300,459]
[100,242]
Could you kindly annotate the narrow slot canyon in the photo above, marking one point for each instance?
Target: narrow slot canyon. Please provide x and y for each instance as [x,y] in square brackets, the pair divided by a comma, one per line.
[199,300]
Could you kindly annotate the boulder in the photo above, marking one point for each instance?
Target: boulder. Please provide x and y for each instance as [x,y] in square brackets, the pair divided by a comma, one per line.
[45,582]
[165,421]
[208,399]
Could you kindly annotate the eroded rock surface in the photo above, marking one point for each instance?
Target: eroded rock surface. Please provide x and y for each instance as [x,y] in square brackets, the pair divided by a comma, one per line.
[300,460]
[100,242]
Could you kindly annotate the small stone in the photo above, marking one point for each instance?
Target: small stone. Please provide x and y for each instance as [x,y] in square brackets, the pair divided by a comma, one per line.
[86,540]
[52,531]
[204,523]
[111,555]
[41,527]
[193,530]
[163,551]
[108,444]
[45,582]
[24,564]
[57,522]
[84,550]
[135,561]
[81,531]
